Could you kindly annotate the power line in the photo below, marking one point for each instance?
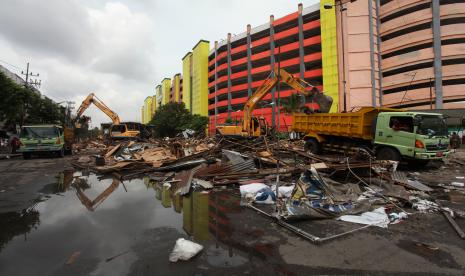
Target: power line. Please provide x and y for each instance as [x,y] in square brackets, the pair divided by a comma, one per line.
[10,64]
[30,74]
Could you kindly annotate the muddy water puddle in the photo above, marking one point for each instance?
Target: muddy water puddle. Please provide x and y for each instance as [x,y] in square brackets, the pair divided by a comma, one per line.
[86,226]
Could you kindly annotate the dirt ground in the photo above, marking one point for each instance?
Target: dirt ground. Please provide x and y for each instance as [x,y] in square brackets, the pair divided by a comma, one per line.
[48,230]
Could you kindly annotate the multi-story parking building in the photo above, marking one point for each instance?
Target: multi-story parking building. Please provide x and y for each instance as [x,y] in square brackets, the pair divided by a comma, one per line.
[391,53]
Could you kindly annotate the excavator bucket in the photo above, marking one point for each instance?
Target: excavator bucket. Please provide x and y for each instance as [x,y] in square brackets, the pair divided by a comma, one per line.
[324,102]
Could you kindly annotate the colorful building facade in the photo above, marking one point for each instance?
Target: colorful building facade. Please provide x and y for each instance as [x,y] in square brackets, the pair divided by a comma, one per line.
[199,85]
[406,54]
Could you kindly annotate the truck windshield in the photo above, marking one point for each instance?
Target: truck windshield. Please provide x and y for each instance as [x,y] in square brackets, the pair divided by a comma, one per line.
[433,126]
[39,132]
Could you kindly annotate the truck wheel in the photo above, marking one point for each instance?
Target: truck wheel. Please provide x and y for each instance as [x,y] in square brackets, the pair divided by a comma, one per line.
[387,153]
[26,155]
[313,146]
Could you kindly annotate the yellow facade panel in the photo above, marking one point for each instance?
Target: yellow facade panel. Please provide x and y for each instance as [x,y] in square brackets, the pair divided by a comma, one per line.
[148,109]
[200,78]
[142,117]
[187,80]
[165,87]
[329,53]
[176,86]
[159,96]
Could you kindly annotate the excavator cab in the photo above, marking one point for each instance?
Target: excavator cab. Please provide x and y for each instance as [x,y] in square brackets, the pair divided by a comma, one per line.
[118,130]
[264,129]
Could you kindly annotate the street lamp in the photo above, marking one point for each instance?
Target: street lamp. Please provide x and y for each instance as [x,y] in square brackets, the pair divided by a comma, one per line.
[342,8]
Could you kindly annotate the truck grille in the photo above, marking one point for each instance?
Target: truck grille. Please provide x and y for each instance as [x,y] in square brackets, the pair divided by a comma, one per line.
[436,147]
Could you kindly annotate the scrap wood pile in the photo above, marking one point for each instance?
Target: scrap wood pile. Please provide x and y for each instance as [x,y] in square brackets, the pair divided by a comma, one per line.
[355,188]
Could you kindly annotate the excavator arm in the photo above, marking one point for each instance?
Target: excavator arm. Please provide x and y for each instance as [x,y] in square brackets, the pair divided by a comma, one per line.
[281,75]
[97,102]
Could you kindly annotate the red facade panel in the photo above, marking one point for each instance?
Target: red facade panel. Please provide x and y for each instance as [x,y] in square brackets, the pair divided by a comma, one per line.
[240,89]
[286,18]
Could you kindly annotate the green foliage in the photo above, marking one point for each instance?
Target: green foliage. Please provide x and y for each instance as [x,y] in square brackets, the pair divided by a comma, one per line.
[231,121]
[172,118]
[228,120]
[20,105]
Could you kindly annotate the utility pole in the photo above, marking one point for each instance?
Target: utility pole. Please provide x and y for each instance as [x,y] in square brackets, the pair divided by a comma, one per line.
[430,94]
[279,86]
[30,74]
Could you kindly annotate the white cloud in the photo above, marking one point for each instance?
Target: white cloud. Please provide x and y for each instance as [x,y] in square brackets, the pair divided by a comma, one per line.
[118,49]
[126,42]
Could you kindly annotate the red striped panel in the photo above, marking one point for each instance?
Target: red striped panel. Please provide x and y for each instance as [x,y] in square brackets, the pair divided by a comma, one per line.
[285,19]
[287,48]
[286,33]
[238,61]
[313,73]
[239,87]
[222,67]
[311,25]
[260,55]
[312,40]
[221,55]
[312,57]
[238,49]
[261,69]
[260,41]
[239,74]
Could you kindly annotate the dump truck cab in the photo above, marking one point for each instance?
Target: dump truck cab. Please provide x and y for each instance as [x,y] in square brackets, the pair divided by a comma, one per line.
[41,139]
[414,135]
[393,134]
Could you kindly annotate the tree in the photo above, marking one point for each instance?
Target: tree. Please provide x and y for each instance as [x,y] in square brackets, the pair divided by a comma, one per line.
[172,118]
[21,105]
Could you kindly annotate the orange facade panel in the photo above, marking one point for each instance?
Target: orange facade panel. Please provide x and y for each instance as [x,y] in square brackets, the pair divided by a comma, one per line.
[285,19]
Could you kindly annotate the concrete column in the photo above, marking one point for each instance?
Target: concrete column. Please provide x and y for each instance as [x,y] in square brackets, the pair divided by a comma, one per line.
[249,61]
[301,42]
[437,53]
[372,53]
[272,62]
[378,39]
[229,76]
[216,84]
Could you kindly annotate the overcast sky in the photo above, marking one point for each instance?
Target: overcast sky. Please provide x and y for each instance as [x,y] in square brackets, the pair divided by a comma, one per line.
[118,49]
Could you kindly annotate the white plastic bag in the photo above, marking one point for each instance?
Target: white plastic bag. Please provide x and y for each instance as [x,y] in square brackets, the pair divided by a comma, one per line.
[252,188]
[184,250]
[377,217]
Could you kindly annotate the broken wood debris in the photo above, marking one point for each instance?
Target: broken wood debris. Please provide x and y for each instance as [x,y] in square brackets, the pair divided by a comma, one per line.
[315,186]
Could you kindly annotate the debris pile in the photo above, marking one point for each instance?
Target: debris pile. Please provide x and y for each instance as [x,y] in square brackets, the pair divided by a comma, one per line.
[297,184]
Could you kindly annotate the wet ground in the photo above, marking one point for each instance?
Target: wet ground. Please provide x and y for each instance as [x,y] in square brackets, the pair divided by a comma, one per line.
[55,221]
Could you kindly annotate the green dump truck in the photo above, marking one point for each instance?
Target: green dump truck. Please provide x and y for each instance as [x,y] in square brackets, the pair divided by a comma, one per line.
[37,139]
[391,133]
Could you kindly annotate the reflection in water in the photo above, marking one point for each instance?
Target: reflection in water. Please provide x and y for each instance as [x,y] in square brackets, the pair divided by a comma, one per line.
[206,215]
[91,205]
[64,181]
[216,216]
[17,223]
[213,219]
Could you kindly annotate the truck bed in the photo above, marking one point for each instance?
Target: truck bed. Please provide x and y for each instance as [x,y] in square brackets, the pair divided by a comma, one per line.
[357,124]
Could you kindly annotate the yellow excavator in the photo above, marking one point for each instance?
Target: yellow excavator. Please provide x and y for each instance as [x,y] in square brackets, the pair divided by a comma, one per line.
[252,126]
[118,130]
